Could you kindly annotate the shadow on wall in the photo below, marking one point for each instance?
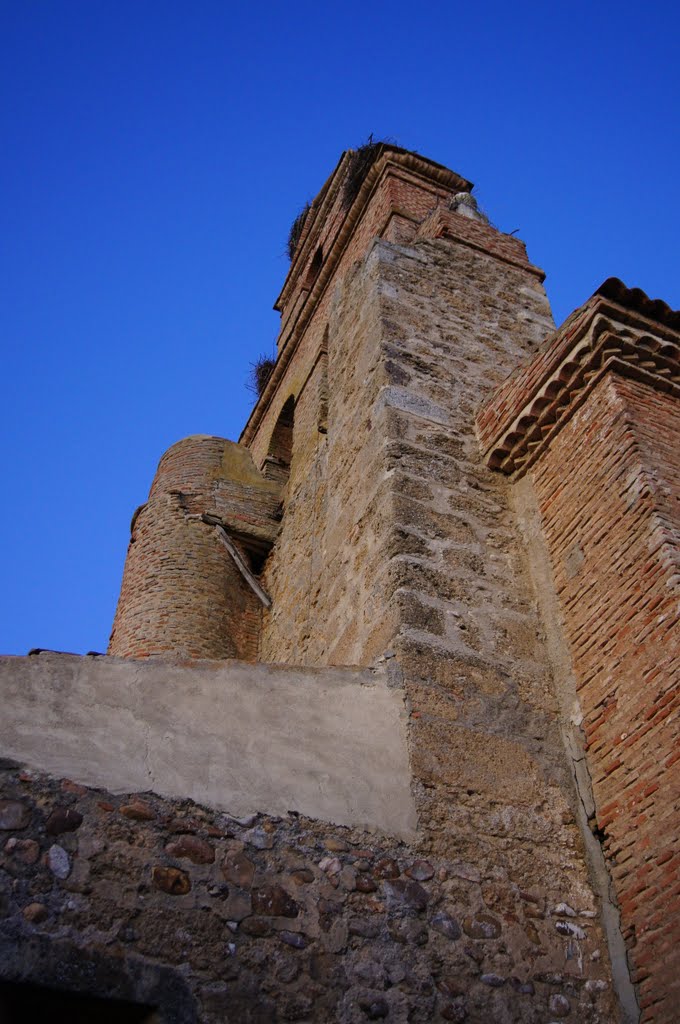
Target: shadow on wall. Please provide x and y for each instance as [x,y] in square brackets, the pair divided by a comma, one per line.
[276,465]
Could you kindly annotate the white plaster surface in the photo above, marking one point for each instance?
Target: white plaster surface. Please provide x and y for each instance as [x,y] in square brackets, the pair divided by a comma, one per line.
[328,743]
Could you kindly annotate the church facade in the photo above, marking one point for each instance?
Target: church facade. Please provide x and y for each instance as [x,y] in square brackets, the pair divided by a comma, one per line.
[388,724]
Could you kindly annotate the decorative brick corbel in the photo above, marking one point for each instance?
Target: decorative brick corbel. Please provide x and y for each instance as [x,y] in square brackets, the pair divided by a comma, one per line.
[617,330]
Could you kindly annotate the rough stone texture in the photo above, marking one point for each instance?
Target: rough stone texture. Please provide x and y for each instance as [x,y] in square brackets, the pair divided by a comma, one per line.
[287,940]
[396,538]
[329,743]
[427,537]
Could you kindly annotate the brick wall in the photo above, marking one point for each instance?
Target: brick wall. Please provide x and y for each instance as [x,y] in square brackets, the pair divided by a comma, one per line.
[608,491]
[594,420]
[182,592]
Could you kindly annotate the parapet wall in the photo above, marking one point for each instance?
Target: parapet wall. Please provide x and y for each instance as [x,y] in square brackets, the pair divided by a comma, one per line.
[115,881]
[330,744]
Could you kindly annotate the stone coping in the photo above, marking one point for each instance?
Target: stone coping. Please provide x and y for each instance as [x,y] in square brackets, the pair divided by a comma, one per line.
[327,743]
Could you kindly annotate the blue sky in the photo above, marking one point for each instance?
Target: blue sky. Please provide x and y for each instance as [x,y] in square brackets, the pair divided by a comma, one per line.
[153,156]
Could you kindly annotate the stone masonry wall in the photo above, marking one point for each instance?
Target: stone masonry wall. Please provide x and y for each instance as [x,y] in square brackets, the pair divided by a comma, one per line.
[322,607]
[608,491]
[398,546]
[407,545]
[397,190]
[258,919]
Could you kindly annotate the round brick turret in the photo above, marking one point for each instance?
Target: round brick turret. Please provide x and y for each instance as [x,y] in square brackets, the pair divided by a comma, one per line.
[189,466]
[182,593]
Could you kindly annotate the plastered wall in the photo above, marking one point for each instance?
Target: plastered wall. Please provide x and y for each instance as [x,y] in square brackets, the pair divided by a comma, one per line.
[242,738]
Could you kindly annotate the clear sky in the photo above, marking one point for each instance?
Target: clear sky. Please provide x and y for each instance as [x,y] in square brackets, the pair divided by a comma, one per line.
[153,154]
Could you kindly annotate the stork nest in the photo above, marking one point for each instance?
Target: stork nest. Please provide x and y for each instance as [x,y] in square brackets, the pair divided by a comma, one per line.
[361,161]
[296,229]
[260,372]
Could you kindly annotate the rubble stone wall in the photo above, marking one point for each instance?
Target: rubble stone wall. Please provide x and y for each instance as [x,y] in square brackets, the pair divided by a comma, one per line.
[224,919]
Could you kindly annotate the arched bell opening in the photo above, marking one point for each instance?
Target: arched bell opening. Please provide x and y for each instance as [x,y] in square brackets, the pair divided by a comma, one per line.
[277,462]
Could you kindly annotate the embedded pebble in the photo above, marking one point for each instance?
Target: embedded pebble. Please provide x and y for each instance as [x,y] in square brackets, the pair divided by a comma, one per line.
[239,869]
[238,905]
[559,1005]
[302,876]
[13,815]
[138,810]
[408,930]
[63,819]
[336,845]
[258,838]
[386,867]
[567,928]
[273,901]
[411,894]
[596,985]
[246,821]
[467,871]
[199,851]
[58,862]
[446,925]
[331,865]
[420,870]
[481,926]
[525,988]
[34,913]
[171,880]
[25,850]
[293,939]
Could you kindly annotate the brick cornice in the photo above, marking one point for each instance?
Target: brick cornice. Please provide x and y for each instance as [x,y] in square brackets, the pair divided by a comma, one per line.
[444,223]
[324,202]
[633,337]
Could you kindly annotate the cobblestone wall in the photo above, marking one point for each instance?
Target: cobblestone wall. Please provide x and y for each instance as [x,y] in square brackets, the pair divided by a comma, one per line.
[262,919]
